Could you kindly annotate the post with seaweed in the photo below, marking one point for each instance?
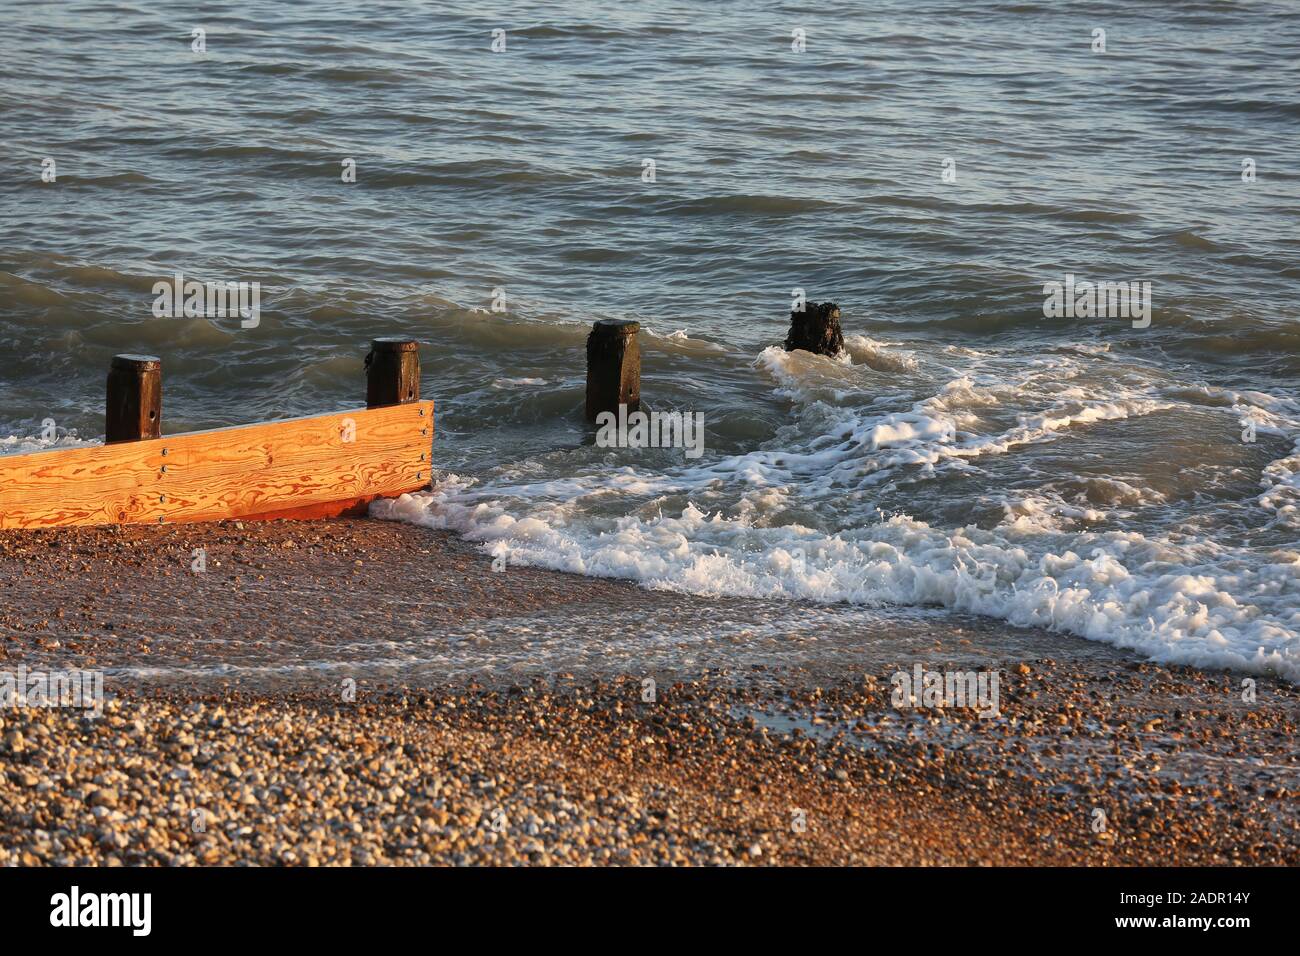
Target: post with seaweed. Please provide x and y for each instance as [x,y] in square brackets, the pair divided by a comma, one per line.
[816,329]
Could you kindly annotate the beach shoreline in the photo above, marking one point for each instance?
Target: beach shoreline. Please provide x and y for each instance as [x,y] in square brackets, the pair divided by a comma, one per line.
[1092,759]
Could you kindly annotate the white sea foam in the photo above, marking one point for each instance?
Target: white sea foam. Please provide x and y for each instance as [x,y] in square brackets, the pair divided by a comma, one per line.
[1195,604]
[793,518]
[517,382]
[880,355]
[25,444]
[1280,478]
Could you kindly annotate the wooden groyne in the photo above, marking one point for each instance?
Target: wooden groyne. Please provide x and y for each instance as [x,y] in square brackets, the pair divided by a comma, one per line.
[318,467]
[322,466]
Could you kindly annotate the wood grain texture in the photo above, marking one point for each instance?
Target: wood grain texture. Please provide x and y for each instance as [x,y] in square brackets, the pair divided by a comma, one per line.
[299,467]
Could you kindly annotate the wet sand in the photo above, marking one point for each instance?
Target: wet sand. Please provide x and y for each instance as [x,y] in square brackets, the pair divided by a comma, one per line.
[232,734]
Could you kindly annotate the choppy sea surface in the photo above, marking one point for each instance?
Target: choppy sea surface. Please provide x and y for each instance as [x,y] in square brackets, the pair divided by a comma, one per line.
[1138,486]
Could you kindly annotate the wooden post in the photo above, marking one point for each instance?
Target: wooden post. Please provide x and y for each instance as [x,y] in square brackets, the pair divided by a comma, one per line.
[816,329]
[392,372]
[133,411]
[613,367]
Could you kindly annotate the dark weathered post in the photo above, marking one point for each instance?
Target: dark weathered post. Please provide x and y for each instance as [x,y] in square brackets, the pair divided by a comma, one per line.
[133,411]
[816,329]
[613,367]
[392,372]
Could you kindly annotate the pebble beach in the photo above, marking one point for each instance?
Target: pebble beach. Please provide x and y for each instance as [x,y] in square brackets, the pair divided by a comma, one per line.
[1093,760]
[793,436]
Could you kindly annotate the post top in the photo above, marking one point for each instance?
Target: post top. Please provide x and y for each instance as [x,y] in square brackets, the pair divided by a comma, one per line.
[129,361]
[624,326]
[394,343]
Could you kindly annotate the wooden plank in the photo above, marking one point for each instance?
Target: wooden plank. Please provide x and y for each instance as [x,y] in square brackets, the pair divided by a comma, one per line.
[300,467]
